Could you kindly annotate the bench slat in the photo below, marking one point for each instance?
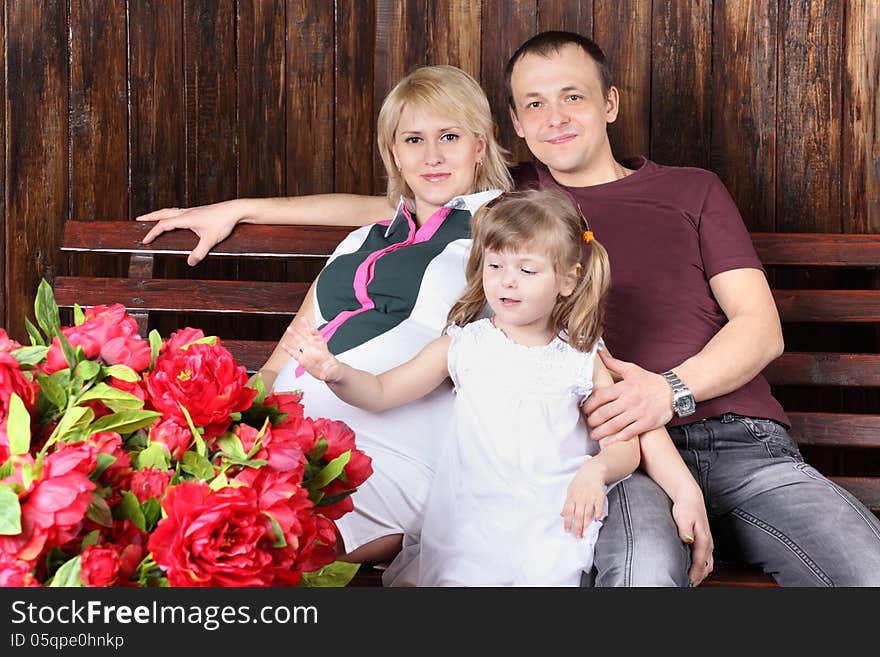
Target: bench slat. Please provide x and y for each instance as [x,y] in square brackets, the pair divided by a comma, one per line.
[830,306]
[818,249]
[245,240]
[250,353]
[865,489]
[836,429]
[825,369]
[179,295]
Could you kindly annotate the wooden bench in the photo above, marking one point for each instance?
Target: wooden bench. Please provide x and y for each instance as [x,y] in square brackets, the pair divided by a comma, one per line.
[841,442]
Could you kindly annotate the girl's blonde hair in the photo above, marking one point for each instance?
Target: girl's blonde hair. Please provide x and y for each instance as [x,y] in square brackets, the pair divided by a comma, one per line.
[547,221]
[450,91]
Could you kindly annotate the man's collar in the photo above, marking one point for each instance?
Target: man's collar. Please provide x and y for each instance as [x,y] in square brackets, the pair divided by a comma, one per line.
[469,202]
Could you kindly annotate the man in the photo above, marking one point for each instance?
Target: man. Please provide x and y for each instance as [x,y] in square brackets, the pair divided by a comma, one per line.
[692,316]
[691,311]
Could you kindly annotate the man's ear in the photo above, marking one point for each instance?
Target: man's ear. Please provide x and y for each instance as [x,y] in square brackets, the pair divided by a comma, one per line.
[612,105]
[516,126]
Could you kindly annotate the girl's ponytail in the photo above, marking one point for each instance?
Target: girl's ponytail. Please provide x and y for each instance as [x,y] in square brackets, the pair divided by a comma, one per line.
[582,313]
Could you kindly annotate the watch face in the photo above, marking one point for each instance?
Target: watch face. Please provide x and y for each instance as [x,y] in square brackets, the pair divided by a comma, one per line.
[685,405]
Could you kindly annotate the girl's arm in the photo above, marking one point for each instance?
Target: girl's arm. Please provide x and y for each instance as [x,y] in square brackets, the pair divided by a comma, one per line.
[213,223]
[405,383]
[585,500]
[662,462]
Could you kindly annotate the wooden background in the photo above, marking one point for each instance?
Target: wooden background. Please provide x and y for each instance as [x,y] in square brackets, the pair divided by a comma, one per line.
[114,107]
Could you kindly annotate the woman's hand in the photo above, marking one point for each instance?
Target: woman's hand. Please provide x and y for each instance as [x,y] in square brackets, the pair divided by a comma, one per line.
[307,346]
[689,513]
[585,500]
[211,223]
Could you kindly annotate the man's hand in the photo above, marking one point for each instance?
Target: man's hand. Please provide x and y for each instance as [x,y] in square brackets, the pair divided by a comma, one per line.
[638,402]
[211,223]
[689,514]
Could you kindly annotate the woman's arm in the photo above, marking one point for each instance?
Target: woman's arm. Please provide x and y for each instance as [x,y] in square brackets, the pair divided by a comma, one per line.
[213,223]
[279,357]
[405,383]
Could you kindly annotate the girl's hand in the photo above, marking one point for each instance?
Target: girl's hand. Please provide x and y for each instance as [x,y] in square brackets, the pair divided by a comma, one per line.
[308,347]
[689,513]
[585,500]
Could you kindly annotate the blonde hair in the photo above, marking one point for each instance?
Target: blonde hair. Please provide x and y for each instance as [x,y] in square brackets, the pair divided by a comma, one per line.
[446,90]
[546,220]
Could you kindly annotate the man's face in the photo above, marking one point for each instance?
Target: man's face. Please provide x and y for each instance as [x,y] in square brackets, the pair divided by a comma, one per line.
[561,112]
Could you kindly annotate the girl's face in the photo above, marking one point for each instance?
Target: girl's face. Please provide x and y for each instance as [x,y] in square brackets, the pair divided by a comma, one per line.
[436,156]
[522,289]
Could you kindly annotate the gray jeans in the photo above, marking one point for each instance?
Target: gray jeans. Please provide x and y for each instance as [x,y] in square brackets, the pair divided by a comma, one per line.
[766,507]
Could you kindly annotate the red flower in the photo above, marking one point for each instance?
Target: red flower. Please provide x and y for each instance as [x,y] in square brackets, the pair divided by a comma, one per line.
[150,483]
[213,538]
[13,380]
[107,332]
[180,339]
[14,572]
[206,380]
[340,439]
[176,438]
[52,510]
[7,343]
[100,566]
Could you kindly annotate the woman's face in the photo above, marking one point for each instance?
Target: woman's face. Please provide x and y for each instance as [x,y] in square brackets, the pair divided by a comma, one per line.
[436,156]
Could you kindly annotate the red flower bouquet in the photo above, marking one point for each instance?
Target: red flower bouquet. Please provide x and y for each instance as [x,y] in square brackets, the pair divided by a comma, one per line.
[127,462]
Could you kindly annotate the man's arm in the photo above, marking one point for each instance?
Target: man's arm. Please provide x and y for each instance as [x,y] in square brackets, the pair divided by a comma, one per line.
[213,223]
[752,338]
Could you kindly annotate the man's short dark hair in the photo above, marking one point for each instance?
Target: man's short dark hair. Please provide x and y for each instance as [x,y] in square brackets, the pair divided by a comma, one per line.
[551,42]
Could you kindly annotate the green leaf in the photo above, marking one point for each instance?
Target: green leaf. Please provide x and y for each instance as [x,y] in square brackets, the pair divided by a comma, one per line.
[200,442]
[258,385]
[99,511]
[18,426]
[155,456]
[52,390]
[104,460]
[78,315]
[333,499]
[76,417]
[10,512]
[70,353]
[318,450]
[7,469]
[280,541]
[46,310]
[87,370]
[152,510]
[34,333]
[124,421]
[208,339]
[114,398]
[198,466]
[69,574]
[155,346]
[330,471]
[27,473]
[338,573]
[30,355]
[121,372]
[91,538]
[230,444]
[220,481]
[130,509]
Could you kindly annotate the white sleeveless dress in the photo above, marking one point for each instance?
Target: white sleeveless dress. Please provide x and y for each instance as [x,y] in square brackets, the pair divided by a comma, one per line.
[493,514]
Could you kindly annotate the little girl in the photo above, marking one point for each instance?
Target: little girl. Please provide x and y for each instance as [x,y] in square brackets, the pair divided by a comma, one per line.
[521,456]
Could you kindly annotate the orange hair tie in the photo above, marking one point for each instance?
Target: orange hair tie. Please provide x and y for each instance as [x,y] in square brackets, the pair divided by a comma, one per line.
[587,236]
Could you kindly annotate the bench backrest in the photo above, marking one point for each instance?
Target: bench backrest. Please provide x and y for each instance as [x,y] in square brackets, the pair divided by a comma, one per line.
[144,295]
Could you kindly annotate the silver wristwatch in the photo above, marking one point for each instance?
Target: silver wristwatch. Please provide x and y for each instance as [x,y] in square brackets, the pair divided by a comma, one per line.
[683,403]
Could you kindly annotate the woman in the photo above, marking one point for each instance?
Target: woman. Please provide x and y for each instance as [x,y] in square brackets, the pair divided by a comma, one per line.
[386,290]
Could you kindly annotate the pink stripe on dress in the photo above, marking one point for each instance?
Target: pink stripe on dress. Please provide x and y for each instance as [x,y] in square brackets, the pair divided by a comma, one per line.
[365,271]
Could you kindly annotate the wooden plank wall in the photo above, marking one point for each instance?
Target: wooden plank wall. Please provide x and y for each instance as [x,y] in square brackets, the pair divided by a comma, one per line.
[115,107]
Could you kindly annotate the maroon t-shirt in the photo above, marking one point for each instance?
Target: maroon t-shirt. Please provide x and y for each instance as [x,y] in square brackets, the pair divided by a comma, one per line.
[667,230]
